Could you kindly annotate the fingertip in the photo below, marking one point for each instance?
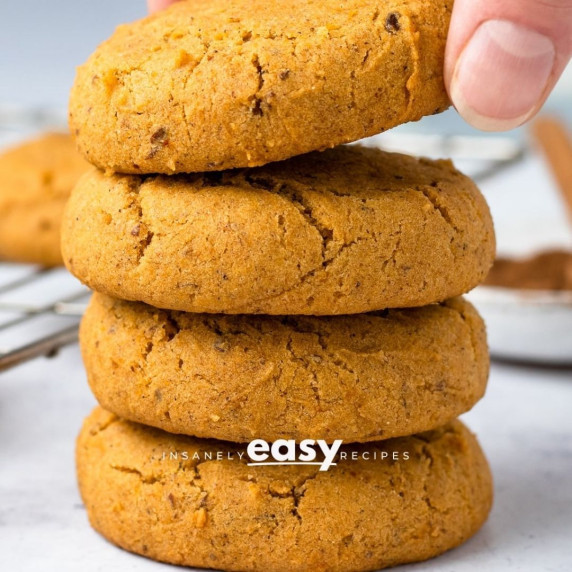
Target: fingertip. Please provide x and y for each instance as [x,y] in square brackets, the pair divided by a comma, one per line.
[502,75]
[480,121]
[156,5]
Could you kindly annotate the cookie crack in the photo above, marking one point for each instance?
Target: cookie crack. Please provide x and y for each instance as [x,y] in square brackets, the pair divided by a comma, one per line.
[470,329]
[120,74]
[326,233]
[442,211]
[296,498]
[185,119]
[296,493]
[189,73]
[296,198]
[415,72]
[306,210]
[314,385]
[256,106]
[268,183]
[141,229]
[335,358]
[103,426]
[327,262]
[197,477]
[132,471]
[396,247]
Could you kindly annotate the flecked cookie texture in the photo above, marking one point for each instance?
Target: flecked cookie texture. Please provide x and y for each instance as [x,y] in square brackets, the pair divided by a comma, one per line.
[348,230]
[357,378]
[36,178]
[359,515]
[215,84]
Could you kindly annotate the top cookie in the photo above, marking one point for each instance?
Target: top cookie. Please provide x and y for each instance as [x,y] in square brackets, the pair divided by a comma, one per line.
[36,179]
[215,84]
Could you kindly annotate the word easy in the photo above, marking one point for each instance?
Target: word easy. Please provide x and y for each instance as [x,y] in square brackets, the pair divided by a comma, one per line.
[287,452]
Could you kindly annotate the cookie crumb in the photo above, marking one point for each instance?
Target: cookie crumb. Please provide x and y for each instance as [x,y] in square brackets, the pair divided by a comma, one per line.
[200,518]
[392,23]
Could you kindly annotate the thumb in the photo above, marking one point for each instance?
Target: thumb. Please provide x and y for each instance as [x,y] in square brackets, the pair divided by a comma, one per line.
[504,57]
[156,5]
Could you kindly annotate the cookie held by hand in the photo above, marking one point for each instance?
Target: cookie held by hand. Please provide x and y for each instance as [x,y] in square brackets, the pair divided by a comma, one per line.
[208,85]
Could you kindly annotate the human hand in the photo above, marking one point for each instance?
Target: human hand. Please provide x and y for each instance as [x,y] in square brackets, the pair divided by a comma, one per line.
[503,57]
[156,5]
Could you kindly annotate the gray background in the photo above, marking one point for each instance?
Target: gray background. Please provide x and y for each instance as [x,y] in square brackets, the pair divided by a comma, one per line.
[41,43]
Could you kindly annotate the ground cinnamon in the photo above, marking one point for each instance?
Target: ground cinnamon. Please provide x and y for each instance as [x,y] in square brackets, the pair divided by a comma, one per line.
[550,270]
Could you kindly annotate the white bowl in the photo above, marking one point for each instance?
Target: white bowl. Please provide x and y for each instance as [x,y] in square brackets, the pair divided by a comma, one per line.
[526,325]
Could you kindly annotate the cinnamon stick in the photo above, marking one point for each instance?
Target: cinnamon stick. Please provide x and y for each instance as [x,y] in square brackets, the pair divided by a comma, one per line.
[556,143]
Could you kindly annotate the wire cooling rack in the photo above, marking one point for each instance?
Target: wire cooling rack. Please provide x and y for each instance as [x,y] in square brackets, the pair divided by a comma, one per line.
[40,309]
[39,312]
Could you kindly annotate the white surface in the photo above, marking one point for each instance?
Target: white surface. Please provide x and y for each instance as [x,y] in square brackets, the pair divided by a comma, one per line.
[524,425]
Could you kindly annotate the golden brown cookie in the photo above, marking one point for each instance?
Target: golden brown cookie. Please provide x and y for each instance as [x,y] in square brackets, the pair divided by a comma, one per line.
[345,231]
[36,178]
[431,493]
[357,378]
[209,85]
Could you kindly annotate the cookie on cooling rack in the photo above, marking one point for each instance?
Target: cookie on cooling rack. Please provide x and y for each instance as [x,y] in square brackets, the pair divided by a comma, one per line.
[36,179]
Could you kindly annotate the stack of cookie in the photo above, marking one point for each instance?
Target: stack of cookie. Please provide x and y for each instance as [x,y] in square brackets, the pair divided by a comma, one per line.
[264,304]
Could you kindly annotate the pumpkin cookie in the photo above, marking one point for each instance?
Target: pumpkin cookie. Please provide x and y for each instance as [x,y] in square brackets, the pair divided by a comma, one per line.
[36,178]
[357,378]
[349,230]
[209,85]
[160,496]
